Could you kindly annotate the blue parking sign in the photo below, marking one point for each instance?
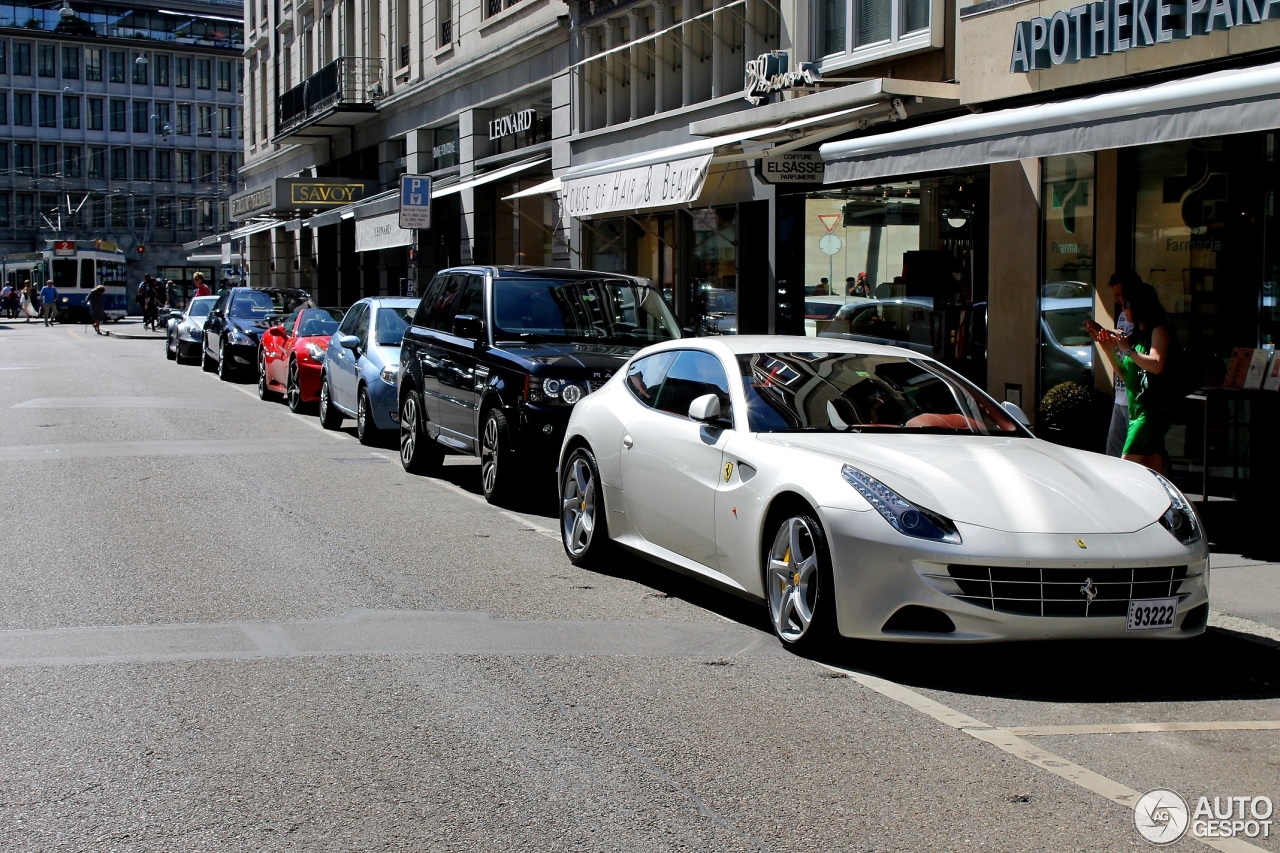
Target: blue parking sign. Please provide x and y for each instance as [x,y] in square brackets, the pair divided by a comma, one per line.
[415,201]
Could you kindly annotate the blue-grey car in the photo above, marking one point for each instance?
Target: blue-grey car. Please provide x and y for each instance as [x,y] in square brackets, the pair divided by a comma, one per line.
[359,376]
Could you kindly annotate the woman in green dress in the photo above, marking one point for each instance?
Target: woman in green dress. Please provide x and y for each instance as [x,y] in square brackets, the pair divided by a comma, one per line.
[1144,350]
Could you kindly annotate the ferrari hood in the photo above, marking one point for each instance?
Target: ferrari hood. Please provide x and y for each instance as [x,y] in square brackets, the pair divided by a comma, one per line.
[1010,484]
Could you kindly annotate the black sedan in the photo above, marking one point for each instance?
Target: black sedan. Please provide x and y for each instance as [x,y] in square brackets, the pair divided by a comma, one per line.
[237,321]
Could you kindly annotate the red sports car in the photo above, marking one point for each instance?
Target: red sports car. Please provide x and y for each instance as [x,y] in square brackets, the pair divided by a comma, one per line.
[291,353]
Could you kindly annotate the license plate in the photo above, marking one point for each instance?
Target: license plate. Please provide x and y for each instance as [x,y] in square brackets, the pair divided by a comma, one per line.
[1148,613]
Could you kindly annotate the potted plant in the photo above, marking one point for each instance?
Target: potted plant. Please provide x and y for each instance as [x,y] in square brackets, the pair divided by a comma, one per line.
[1068,415]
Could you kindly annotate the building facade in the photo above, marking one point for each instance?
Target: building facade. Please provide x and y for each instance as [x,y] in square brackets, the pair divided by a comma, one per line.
[120,124]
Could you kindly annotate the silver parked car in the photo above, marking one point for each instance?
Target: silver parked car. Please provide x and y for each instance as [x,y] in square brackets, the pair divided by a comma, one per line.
[185,332]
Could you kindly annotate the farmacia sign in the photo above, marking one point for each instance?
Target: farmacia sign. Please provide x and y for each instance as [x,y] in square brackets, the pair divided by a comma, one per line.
[1113,26]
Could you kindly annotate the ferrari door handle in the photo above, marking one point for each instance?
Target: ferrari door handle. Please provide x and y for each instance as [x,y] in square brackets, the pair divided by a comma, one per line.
[627,441]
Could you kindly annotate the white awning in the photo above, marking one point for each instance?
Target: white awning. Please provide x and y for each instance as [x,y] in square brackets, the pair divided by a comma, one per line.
[382,232]
[487,177]
[254,227]
[551,186]
[1216,104]
[664,176]
[205,258]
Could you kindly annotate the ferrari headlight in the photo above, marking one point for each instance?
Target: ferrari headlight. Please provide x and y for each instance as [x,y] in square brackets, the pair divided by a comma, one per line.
[1179,519]
[905,517]
[315,353]
[388,374]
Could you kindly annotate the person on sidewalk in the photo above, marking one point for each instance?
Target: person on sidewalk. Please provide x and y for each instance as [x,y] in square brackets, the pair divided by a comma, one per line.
[49,302]
[97,307]
[202,289]
[28,311]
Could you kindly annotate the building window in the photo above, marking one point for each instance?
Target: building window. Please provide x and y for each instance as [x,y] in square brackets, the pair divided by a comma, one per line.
[141,116]
[227,171]
[205,117]
[206,167]
[22,109]
[119,112]
[48,160]
[224,75]
[187,214]
[164,213]
[95,113]
[21,59]
[72,158]
[26,209]
[444,14]
[140,70]
[24,158]
[204,74]
[164,165]
[97,161]
[120,212]
[162,69]
[115,66]
[71,63]
[4,107]
[120,164]
[184,119]
[848,27]
[164,117]
[225,124]
[4,156]
[141,164]
[184,166]
[239,123]
[48,110]
[46,64]
[71,112]
[92,63]
[182,72]
[4,58]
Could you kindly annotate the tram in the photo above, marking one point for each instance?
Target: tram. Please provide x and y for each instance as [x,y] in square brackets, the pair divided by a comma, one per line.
[76,268]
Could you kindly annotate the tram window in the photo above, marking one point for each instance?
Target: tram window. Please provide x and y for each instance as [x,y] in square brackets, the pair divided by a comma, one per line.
[63,271]
[86,273]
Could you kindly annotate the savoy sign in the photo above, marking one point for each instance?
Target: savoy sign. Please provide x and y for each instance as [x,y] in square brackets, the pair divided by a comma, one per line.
[1114,26]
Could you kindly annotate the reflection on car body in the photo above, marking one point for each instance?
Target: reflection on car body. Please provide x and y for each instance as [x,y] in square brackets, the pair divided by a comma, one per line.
[872,492]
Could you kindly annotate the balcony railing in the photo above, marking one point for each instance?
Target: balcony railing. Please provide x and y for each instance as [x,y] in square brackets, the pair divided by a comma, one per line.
[347,81]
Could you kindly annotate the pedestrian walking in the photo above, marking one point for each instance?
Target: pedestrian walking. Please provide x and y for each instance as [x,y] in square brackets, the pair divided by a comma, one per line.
[49,302]
[25,306]
[1139,355]
[9,301]
[98,308]
[1119,427]
[150,303]
[202,289]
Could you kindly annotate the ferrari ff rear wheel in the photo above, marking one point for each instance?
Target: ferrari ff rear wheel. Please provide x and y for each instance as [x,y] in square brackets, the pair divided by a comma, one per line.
[497,458]
[583,530]
[797,575]
[330,417]
[293,391]
[419,454]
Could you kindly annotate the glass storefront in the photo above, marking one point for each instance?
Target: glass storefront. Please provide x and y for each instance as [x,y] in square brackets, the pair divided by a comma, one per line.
[1068,195]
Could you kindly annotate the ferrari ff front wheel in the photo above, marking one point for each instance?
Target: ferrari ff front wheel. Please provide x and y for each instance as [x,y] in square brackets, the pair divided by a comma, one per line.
[797,574]
[583,530]
[293,391]
[419,454]
[264,390]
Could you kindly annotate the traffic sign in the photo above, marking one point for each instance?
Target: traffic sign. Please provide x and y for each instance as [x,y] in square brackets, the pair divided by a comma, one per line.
[415,201]
[830,244]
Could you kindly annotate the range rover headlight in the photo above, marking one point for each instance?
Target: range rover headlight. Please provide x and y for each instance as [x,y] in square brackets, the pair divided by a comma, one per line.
[555,391]
[904,516]
[1179,519]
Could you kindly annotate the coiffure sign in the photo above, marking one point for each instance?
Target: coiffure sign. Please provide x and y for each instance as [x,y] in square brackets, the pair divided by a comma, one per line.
[770,72]
[511,125]
[675,182]
[1113,26]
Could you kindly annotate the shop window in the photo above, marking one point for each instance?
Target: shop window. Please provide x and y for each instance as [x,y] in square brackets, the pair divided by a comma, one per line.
[1067,282]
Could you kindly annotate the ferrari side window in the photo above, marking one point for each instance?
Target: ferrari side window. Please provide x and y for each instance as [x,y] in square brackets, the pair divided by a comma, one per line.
[693,375]
[645,375]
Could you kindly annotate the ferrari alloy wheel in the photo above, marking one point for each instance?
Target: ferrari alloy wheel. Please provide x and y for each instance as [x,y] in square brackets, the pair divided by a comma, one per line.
[797,576]
[330,417]
[419,454]
[582,520]
[365,430]
[293,391]
[497,459]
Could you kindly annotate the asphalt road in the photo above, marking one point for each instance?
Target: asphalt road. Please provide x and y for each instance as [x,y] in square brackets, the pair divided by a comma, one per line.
[223,628]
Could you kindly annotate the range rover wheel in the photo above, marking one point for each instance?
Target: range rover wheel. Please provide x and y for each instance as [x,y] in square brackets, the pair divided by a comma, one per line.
[419,454]
[583,528]
[498,466]
[797,579]
[330,417]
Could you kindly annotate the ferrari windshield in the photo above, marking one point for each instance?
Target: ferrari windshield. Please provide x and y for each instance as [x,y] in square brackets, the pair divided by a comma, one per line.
[848,392]
[600,311]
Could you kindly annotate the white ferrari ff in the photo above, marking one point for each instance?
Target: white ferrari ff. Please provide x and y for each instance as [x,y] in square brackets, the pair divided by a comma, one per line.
[871,491]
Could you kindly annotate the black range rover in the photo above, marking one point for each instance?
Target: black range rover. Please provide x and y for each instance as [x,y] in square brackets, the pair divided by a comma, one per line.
[497,356]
